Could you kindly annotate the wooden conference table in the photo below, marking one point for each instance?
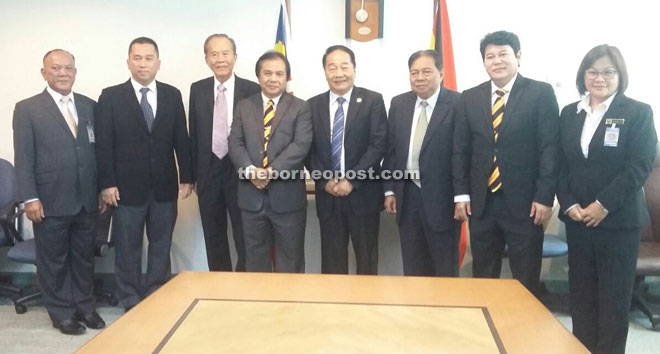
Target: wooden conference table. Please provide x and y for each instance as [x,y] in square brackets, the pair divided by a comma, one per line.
[215,312]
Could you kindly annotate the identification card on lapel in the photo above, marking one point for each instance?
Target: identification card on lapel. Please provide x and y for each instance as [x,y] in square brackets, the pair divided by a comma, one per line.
[617,121]
[90,134]
[611,136]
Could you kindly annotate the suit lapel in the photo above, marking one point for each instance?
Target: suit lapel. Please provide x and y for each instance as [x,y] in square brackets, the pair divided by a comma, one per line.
[258,106]
[160,103]
[323,117]
[134,105]
[408,112]
[439,114]
[280,111]
[517,90]
[353,109]
[84,115]
[576,133]
[54,111]
[485,96]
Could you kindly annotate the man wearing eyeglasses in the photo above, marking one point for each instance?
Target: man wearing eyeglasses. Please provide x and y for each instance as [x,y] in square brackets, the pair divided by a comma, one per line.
[505,163]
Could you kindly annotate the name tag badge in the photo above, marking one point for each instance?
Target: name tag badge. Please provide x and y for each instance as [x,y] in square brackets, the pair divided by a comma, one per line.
[617,121]
[611,136]
[90,134]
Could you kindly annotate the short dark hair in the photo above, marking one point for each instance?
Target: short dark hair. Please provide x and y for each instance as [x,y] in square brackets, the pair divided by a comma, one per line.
[499,38]
[596,53]
[143,40]
[437,59]
[270,55]
[57,50]
[342,48]
[219,35]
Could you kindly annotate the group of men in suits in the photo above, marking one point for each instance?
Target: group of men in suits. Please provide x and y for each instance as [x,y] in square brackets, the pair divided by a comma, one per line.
[488,154]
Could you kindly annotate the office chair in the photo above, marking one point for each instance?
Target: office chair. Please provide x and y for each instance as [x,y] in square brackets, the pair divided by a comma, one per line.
[9,212]
[648,261]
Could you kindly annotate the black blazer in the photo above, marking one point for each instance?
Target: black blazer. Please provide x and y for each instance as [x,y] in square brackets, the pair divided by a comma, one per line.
[200,117]
[50,164]
[613,175]
[526,149]
[290,140]
[365,141]
[435,156]
[131,158]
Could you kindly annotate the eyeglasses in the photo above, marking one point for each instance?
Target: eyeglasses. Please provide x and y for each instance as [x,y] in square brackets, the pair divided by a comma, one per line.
[593,74]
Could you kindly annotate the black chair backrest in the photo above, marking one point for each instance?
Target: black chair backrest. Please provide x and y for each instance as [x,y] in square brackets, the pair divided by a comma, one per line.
[8,186]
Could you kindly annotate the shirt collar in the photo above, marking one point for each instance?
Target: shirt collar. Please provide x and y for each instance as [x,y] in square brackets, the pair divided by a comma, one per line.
[584,103]
[346,96]
[275,100]
[137,86]
[431,100]
[507,87]
[58,96]
[229,83]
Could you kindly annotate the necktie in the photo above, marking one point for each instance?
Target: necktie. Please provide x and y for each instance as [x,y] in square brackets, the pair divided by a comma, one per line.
[494,182]
[68,116]
[219,144]
[146,109]
[337,135]
[418,139]
[268,123]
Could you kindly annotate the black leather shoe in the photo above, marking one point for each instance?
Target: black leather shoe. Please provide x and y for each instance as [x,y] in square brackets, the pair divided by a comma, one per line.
[69,326]
[91,320]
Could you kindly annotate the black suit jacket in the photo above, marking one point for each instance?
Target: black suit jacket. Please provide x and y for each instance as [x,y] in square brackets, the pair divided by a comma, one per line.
[613,175]
[201,122]
[131,158]
[365,139]
[50,164]
[290,140]
[435,156]
[526,149]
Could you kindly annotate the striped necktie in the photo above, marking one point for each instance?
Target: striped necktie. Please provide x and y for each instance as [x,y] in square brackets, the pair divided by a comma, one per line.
[494,181]
[268,123]
[337,136]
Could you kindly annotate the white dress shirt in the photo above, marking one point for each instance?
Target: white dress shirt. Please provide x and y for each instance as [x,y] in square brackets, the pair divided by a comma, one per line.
[592,120]
[58,96]
[152,94]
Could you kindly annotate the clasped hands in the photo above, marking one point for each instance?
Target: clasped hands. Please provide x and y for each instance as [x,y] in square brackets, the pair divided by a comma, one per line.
[339,187]
[592,215]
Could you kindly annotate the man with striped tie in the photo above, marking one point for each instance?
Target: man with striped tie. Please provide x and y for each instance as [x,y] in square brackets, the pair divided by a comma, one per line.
[271,134]
[505,163]
[350,137]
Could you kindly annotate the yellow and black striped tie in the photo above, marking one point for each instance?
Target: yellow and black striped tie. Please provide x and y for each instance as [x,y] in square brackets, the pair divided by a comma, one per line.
[494,181]
[268,122]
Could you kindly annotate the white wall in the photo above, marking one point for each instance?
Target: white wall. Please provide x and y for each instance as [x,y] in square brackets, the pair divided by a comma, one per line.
[554,35]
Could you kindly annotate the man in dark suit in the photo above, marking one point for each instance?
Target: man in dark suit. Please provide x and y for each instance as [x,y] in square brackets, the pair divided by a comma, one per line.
[345,203]
[212,102]
[420,133]
[505,163]
[270,136]
[56,170]
[141,124]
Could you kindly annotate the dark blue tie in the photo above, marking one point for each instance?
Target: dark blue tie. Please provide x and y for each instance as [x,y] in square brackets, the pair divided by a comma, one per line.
[337,136]
[146,109]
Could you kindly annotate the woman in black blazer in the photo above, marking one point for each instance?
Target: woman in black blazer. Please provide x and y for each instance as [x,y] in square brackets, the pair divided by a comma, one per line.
[608,145]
